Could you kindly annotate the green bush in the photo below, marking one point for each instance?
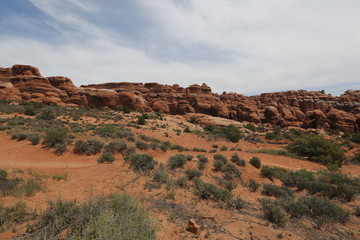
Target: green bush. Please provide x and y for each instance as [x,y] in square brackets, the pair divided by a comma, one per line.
[211,191]
[47,114]
[13,214]
[106,157]
[273,213]
[142,145]
[141,120]
[129,152]
[19,136]
[220,157]
[91,146]
[318,149]
[272,172]
[110,218]
[142,162]
[276,191]
[60,148]
[218,165]
[256,162]
[232,169]
[3,174]
[116,147]
[177,161]
[237,160]
[323,211]
[232,133]
[236,203]
[34,138]
[55,136]
[29,110]
[224,148]
[253,185]
[160,175]
[191,173]
[355,137]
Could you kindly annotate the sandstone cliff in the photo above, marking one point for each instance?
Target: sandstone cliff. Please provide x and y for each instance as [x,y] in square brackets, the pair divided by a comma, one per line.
[305,109]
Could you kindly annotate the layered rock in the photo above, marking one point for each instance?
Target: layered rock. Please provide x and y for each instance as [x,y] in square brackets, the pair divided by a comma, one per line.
[305,109]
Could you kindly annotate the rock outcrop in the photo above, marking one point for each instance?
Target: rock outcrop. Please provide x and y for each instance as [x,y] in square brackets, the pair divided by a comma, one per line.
[306,109]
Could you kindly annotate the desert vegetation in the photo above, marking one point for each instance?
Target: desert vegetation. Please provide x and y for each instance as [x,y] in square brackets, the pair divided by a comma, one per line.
[279,181]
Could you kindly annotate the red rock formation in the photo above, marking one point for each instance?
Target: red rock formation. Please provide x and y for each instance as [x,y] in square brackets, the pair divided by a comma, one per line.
[288,109]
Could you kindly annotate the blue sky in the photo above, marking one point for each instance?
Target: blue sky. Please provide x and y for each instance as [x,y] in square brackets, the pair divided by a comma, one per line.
[244,46]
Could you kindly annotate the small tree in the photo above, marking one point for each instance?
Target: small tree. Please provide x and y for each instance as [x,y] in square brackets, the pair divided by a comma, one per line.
[318,149]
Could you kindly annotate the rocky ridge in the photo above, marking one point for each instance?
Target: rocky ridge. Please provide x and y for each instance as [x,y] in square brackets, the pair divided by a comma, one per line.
[305,109]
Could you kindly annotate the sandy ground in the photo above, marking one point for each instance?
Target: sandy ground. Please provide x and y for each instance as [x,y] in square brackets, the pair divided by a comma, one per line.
[85,179]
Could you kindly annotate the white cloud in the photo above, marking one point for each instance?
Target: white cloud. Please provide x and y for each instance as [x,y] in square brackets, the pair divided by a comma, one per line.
[273,45]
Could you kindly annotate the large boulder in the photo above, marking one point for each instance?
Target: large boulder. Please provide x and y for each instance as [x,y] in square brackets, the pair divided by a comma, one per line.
[342,121]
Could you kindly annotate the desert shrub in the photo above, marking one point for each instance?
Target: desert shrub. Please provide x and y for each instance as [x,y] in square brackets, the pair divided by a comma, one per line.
[177,161]
[12,215]
[106,157]
[116,147]
[91,146]
[355,137]
[224,148]
[30,187]
[276,191]
[299,179]
[160,175]
[232,133]
[323,188]
[124,109]
[55,136]
[189,157]
[3,174]
[323,211]
[227,182]
[220,157]
[275,135]
[141,120]
[237,160]
[201,165]
[202,158]
[129,152]
[191,173]
[142,162]
[250,126]
[253,185]
[273,213]
[19,136]
[141,145]
[29,110]
[60,148]
[272,172]
[34,138]
[318,149]
[110,218]
[187,130]
[236,203]
[232,169]
[47,114]
[255,161]
[218,165]
[210,191]
[181,182]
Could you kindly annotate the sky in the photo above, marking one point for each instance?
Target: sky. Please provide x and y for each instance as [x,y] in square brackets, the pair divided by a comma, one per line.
[243,46]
